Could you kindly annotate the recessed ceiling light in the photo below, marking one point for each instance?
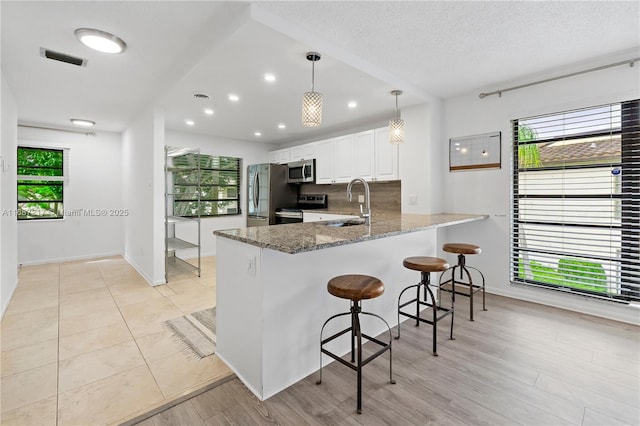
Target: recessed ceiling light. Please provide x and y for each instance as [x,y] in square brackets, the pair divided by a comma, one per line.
[257,133]
[269,77]
[352,104]
[208,111]
[189,122]
[83,122]
[282,126]
[100,40]
[233,97]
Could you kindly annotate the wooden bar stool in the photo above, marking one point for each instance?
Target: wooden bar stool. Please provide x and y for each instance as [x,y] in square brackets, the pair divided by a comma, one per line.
[356,288]
[426,265]
[459,285]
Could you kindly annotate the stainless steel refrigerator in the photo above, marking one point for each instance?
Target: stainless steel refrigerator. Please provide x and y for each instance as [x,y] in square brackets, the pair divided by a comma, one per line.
[267,191]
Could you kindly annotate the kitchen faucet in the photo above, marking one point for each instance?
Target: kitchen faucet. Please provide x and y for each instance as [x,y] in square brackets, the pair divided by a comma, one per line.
[366,215]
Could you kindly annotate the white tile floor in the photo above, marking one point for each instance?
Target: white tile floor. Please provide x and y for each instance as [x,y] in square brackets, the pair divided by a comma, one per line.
[84,342]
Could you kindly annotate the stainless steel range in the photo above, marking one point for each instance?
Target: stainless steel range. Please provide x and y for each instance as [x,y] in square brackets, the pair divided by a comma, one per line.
[305,202]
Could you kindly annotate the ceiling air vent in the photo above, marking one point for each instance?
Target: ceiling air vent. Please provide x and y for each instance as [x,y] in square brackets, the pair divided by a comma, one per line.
[62,57]
[201,96]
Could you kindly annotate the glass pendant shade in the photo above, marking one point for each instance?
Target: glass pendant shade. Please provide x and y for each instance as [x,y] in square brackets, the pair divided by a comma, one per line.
[312,109]
[396,130]
[396,126]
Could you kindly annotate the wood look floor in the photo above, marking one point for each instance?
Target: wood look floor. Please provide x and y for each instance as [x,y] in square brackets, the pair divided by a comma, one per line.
[518,363]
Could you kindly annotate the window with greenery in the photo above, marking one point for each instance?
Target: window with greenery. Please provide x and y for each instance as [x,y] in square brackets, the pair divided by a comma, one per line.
[212,188]
[40,183]
[576,201]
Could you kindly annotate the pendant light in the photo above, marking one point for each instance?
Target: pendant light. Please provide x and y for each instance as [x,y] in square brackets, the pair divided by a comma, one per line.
[312,101]
[396,126]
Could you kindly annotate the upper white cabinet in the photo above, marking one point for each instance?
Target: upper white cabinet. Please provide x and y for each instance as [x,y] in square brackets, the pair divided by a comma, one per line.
[364,162]
[334,160]
[386,156]
[280,156]
[324,161]
[303,152]
[367,154]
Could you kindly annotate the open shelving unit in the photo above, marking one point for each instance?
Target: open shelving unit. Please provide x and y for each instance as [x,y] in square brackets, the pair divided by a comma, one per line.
[182,208]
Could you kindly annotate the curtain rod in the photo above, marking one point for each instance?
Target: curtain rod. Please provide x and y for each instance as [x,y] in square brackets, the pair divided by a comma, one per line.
[630,62]
[59,130]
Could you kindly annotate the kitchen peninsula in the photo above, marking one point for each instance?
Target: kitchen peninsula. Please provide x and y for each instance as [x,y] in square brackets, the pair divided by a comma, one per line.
[271,288]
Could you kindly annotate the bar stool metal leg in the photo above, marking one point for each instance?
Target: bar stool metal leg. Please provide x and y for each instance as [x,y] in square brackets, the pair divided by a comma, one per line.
[356,336]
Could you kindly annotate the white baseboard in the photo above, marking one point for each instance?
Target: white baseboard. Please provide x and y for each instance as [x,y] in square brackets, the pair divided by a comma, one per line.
[140,271]
[5,302]
[585,305]
[70,258]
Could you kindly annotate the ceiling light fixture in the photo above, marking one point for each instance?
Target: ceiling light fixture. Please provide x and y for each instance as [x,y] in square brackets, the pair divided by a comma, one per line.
[208,111]
[312,101]
[101,41]
[352,104]
[396,126]
[269,77]
[234,97]
[282,126]
[257,133]
[189,122]
[82,122]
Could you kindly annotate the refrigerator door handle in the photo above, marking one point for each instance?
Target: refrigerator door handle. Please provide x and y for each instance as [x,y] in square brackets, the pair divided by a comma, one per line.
[256,190]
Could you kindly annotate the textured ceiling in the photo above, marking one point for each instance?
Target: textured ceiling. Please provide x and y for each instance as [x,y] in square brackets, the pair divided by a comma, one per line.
[429,49]
[451,47]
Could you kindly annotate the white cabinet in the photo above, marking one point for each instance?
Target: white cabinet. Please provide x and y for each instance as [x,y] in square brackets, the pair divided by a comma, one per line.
[367,154]
[317,217]
[386,156]
[324,161]
[334,160]
[343,156]
[364,164]
[280,156]
[302,152]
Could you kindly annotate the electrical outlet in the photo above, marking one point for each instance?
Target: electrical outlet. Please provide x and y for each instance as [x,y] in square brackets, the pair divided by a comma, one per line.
[413,200]
[361,198]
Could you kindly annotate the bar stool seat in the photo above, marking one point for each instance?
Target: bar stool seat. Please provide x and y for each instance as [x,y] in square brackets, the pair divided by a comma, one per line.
[356,288]
[459,285]
[425,265]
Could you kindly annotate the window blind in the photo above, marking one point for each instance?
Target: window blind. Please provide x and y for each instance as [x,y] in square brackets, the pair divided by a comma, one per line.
[575,222]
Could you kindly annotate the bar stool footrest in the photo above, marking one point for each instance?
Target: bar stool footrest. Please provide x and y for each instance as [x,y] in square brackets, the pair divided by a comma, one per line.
[385,347]
[446,286]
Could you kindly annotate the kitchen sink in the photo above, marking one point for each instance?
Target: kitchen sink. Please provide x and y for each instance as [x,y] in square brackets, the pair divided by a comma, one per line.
[350,222]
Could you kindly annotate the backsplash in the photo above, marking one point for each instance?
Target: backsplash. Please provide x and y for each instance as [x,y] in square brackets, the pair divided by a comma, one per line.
[385,196]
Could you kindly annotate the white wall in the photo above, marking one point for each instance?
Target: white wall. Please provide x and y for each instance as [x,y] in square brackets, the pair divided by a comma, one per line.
[249,152]
[143,192]
[488,191]
[8,225]
[420,165]
[93,183]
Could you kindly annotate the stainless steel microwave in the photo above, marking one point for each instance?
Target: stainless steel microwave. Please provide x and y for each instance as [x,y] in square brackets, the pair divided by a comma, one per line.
[301,171]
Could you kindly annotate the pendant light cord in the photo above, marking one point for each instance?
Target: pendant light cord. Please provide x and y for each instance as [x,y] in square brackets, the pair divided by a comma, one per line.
[313,74]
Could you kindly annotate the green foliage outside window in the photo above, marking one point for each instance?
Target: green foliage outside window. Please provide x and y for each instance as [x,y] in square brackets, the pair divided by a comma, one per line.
[528,155]
[571,272]
[40,184]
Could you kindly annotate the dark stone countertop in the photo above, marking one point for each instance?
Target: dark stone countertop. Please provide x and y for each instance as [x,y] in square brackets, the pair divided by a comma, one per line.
[302,237]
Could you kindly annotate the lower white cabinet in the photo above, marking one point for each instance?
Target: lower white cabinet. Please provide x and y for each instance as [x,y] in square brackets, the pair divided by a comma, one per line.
[317,217]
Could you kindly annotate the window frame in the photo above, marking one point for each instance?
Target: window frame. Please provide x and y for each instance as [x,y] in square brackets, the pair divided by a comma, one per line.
[58,180]
[629,196]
